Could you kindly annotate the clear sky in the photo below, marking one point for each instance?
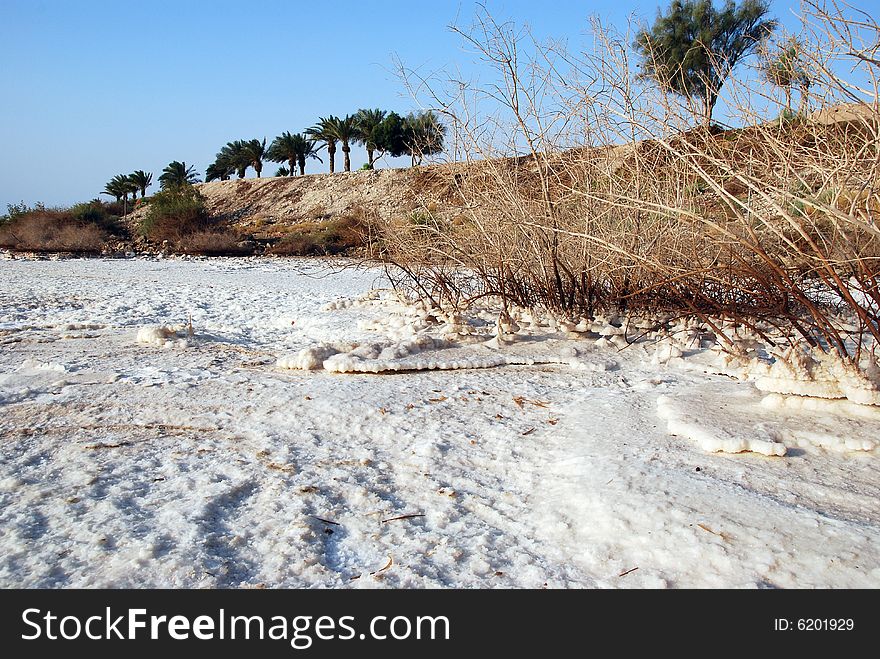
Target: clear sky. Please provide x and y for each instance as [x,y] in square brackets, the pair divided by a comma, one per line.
[93,88]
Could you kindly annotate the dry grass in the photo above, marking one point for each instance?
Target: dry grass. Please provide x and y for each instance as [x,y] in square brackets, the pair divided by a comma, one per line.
[52,231]
[212,242]
[618,203]
[329,237]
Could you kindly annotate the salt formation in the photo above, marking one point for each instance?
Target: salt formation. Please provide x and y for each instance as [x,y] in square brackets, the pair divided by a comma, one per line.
[161,336]
[309,359]
[818,374]
[713,437]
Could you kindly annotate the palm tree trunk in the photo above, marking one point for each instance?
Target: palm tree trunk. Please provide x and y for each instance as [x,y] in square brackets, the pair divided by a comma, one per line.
[292,171]
[370,156]
[331,154]
[346,150]
[302,166]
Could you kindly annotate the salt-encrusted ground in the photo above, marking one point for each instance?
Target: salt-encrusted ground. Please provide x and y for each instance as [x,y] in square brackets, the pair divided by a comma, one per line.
[136,455]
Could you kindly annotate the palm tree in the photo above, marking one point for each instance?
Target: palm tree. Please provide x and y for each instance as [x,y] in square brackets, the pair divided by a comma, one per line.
[283,171]
[219,170]
[132,188]
[177,175]
[304,148]
[254,151]
[142,180]
[368,121]
[117,187]
[324,131]
[346,131]
[234,155]
[293,149]
[113,191]
[283,149]
[784,67]
[424,135]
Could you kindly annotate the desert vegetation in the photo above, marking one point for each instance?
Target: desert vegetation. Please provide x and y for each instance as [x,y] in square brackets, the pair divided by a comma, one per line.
[378,131]
[176,218]
[324,237]
[600,181]
[83,228]
[596,181]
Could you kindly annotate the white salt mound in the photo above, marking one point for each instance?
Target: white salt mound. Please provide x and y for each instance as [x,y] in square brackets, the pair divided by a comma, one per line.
[158,335]
[711,436]
[816,374]
[308,359]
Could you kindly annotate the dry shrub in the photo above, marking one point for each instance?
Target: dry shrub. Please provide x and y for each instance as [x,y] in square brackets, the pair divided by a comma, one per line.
[336,236]
[318,213]
[584,189]
[213,242]
[52,231]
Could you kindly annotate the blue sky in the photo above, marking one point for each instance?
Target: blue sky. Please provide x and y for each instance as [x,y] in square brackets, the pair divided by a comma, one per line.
[96,88]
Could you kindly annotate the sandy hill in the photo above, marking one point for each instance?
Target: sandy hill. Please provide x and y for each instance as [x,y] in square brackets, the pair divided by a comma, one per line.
[266,207]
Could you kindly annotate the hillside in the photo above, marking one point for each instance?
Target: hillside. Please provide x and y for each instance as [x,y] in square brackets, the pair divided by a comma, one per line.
[266,207]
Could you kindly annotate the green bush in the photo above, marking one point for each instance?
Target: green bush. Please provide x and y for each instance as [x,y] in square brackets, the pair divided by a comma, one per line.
[98,213]
[14,211]
[179,217]
[173,214]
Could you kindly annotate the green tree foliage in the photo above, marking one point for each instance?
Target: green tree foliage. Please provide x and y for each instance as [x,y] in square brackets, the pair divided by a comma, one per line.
[119,187]
[236,157]
[390,136]
[305,148]
[424,135]
[367,123]
[232,158]
[283,149]
[692,48]
[325,131]
[282,171]
[294,149]
[141,180]
[253,151]
[116,187]
[219,170]
[783,66]
[177,175]
[346,131]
